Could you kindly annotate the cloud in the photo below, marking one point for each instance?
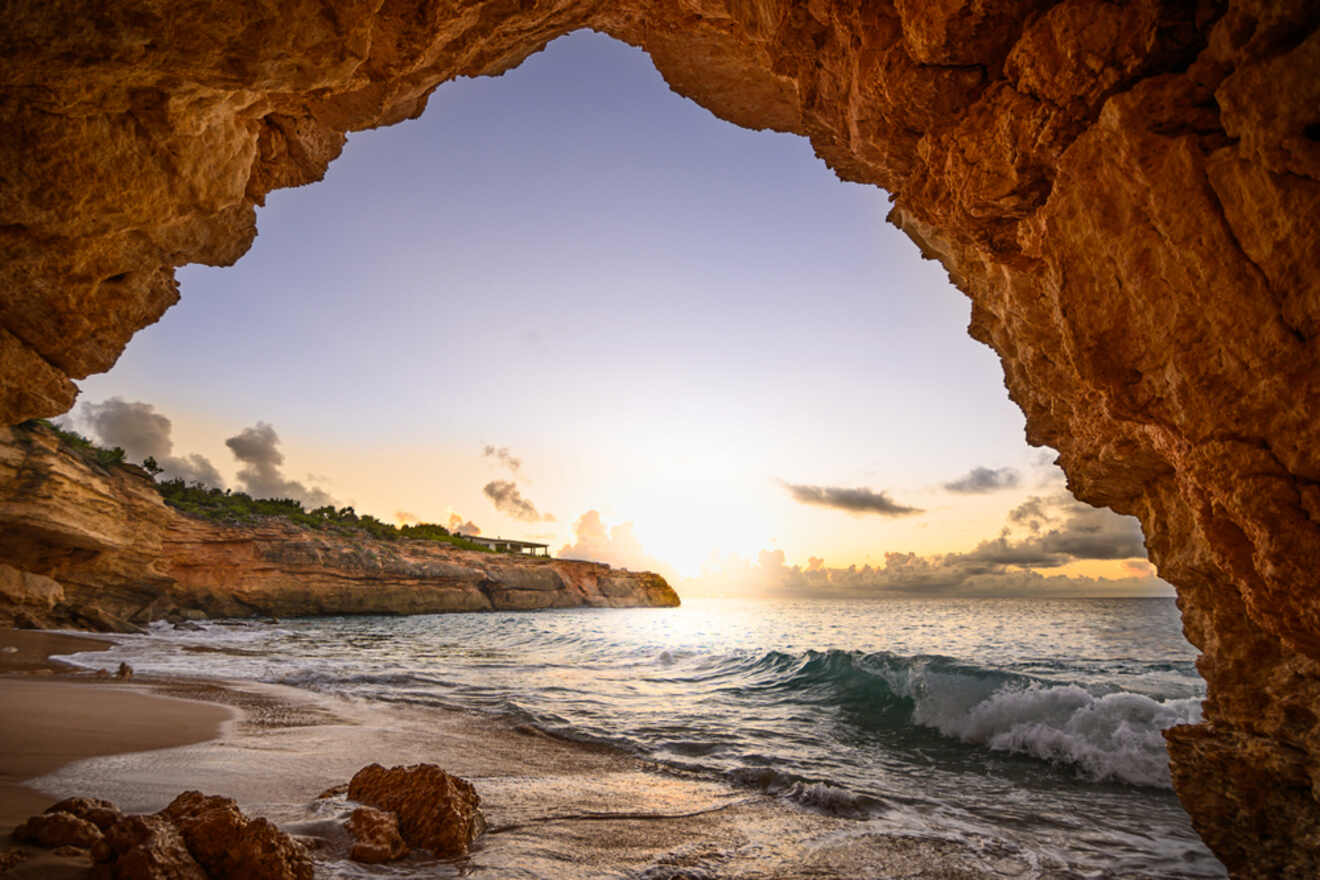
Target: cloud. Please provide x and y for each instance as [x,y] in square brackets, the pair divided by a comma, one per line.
[1077,530]
[405,517]
[617,545]
[982,479]
[859,500]
[905,574]
[143,433]
[1059,530]
[502,455]
[458,527]
[261,477]
[508,500]
[1030,513]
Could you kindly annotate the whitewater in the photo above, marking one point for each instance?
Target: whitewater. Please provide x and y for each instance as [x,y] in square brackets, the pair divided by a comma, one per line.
[1029,727]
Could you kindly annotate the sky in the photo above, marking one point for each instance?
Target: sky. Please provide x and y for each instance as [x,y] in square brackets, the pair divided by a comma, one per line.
[569,305]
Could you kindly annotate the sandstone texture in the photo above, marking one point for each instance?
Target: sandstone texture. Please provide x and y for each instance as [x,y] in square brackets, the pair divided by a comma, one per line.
[435,811]
[100,813]
[376,836]
[96,547]
[144,848]
[197,837]
[1128,192]
[227,844]
[58,828]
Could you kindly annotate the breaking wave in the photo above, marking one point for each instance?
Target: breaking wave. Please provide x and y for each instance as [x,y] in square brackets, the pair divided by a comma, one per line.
[1114,736]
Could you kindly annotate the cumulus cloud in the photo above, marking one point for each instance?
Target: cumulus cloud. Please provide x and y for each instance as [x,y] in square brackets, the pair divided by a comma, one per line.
[502,456]
[905,574]
[459,527]
[257,448]
[860,500]
[143,433]
[1030,513]
[508,500]
[982,479]
[403,516]
[1067,529]
[1042,534]
[616,545]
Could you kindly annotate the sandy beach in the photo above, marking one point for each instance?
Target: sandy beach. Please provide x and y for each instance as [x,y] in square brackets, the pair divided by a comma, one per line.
[53,718]
[556,809]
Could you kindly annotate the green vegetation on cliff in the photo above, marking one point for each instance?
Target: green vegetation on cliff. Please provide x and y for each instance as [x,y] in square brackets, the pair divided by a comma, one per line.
[238,508]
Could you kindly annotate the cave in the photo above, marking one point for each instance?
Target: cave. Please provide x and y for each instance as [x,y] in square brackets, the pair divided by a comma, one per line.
[1128,193]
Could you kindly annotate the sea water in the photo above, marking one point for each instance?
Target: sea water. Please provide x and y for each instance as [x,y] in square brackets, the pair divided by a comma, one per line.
[1027,727]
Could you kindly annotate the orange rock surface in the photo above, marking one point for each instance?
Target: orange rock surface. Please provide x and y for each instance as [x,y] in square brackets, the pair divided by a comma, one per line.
[1128,192]
[376,836]
[230,846]
[435,810]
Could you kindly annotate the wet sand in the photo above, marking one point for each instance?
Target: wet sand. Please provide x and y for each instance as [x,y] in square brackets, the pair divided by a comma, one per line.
[556,809]
[51,720]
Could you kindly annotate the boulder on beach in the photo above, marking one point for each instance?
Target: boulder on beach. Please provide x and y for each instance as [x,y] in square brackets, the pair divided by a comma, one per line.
[144,848]
[197,837]
[100,813]
[58,829]
[228,844]
[435,810]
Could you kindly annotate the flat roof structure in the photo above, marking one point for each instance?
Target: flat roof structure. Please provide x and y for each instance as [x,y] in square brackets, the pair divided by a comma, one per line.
[509,545]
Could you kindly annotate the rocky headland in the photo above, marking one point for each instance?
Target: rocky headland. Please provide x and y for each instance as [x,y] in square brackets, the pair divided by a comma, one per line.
[96,547]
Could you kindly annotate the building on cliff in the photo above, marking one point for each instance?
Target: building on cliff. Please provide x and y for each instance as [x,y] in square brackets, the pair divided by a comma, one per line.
[509,545]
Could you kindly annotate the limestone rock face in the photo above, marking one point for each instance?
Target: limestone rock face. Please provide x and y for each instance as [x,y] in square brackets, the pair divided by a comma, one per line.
[435,811]
[96,547]
[1128,192]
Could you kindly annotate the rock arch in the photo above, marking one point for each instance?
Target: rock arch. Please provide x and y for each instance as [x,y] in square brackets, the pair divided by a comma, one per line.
[1128,192]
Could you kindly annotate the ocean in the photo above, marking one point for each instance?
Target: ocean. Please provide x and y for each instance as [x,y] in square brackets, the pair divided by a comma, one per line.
[1030,729]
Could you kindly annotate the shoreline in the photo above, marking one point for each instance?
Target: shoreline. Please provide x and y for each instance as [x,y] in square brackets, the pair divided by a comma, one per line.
[56,717]
[557,808]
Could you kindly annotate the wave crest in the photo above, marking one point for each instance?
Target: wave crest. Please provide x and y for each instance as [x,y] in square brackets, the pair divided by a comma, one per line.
[1114,736]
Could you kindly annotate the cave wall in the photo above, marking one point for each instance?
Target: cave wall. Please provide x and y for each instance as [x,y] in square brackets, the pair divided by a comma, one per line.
[1127,191]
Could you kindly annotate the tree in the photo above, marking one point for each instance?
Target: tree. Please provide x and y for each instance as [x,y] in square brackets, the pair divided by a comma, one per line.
[150,466]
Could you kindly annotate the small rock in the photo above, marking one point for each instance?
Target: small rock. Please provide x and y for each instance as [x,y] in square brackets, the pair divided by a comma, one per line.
[70,850]
[435,810]
[124,671]
[376,835]
[100,813]
[57,829]
[11,857]
[8,649]
[24,620]
[102,673]
[101,620]
[334,791]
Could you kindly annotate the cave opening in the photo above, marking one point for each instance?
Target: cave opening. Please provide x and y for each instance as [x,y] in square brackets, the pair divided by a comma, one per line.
[1131,230]
[690,310]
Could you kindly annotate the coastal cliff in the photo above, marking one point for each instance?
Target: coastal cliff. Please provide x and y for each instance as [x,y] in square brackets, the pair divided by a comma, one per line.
[96,547]
[1128,193]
